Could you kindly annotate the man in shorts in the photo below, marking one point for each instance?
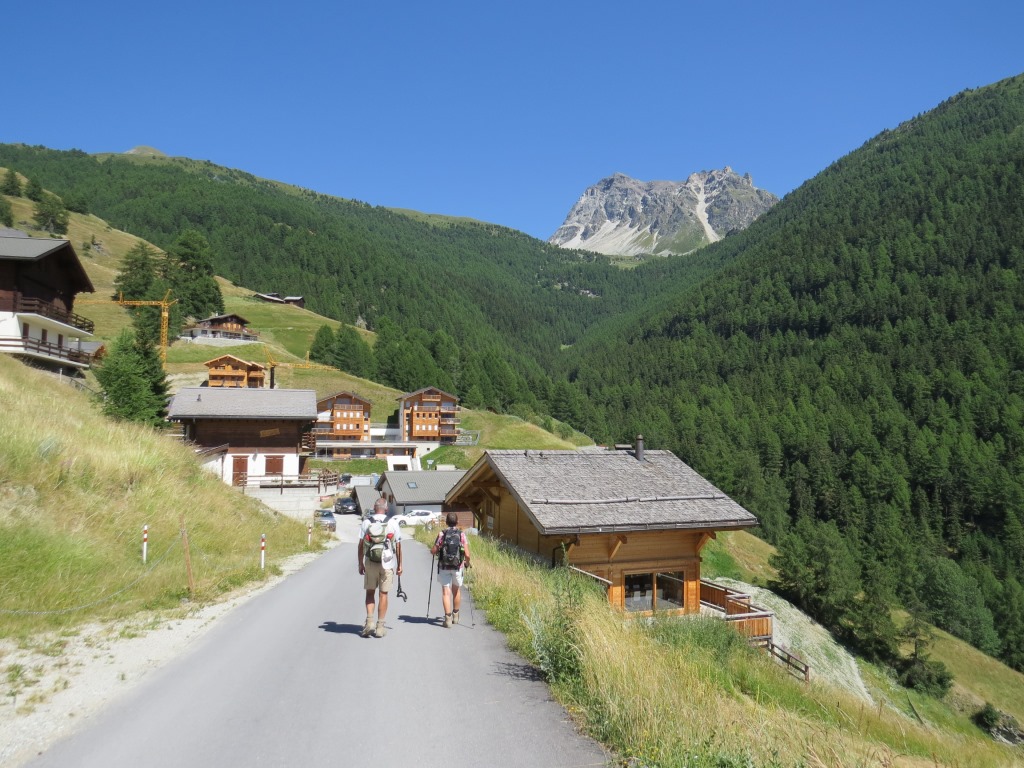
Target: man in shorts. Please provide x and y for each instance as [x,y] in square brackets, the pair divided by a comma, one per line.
[450,569]
[378,575]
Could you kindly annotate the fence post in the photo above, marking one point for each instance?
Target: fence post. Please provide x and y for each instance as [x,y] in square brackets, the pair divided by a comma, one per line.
[145,543]
[188,558]
[263,551]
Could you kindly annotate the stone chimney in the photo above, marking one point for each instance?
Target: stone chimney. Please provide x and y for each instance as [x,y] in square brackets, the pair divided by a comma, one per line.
[639,447]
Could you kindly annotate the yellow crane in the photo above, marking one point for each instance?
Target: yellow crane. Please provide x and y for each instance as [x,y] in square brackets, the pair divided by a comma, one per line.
[165,313]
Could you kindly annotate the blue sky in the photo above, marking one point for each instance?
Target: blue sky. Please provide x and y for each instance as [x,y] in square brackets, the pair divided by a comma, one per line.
[503,112]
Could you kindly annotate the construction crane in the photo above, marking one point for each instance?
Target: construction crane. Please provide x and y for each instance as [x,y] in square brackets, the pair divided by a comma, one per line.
[165,313]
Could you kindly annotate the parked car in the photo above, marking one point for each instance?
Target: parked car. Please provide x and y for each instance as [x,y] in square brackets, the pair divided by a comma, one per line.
[346,505]
[418,517]
[326,520]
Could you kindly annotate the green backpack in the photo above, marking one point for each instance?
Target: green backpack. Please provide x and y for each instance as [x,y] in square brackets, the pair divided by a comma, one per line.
[377,539]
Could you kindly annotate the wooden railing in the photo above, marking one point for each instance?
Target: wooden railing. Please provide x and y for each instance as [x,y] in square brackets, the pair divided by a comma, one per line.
[321,480]
[308,442]
[796,665]
[753,622]
[16,344]
[50,310]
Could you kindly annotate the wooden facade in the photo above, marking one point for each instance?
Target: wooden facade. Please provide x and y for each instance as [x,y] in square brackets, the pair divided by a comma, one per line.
[39,281]
[264,433]
[638,524]
[230,326]
[344,416]
[429,414]
[231,371]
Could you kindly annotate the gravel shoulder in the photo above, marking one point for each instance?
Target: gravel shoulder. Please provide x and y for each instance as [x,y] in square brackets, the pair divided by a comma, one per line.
[51,687]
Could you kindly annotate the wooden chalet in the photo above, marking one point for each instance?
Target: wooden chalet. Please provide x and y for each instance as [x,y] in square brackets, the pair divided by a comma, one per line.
[230,326]
[343,417]
[277,298]
[39,280]
[429,414]
[231,371]
[265,433]
[636,520]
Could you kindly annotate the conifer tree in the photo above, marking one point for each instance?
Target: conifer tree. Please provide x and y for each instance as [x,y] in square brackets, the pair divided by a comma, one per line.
[6,213]
[11,184]
[132,388]
[188,270]
[51,215]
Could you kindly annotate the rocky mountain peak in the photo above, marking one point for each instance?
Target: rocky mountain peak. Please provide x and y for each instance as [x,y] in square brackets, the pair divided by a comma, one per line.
[624,217]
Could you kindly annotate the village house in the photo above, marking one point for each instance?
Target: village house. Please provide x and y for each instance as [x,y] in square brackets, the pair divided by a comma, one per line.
[276,298]
[248,435]
[429,414]
[231,371]
[410,490]
[343,420]
[634,519]
[231,326]
[39,280]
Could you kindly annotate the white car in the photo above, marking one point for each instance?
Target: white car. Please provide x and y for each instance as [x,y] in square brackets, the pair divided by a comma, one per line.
[417,517]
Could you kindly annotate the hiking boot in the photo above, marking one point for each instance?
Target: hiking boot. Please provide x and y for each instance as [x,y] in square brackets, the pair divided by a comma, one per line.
[447,620]
[455,617]
[367,628]
[380,630]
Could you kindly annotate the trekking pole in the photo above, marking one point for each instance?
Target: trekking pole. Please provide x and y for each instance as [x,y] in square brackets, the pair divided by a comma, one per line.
[431,587]
[472,601]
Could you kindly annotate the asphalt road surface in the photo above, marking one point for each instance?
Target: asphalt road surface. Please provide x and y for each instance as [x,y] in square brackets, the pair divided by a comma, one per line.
[285,680]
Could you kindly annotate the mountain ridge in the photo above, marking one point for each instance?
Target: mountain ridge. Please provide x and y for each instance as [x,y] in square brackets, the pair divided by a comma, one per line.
[621,216]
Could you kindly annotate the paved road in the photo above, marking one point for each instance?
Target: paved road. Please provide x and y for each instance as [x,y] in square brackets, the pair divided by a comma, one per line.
[286,680]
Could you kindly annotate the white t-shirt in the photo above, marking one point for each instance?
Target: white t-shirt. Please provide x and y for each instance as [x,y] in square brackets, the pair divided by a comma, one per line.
[388,558]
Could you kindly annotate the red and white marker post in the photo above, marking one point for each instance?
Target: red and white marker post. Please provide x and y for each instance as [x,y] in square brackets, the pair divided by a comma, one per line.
[145,543]
[309,535]
[263,552]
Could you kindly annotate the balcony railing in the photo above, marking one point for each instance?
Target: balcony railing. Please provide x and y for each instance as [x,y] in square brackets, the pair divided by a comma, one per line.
[50,310]
[37,348]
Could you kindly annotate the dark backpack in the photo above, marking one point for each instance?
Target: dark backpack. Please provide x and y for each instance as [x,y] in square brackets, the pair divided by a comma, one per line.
[450,555]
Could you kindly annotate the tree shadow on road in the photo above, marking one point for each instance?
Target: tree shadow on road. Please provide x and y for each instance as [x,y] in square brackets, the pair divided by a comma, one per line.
[518,671]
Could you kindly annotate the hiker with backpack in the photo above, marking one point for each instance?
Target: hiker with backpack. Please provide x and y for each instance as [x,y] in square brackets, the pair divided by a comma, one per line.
[452,551]
[380,557]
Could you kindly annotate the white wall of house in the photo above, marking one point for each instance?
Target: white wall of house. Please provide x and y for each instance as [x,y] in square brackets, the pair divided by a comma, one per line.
[256,465]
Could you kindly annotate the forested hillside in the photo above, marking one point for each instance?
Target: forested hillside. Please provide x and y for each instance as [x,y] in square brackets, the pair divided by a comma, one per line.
[853,371]
[850,368]
[505,302]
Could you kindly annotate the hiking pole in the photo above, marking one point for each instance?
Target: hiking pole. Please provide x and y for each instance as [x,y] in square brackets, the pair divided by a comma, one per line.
[401,593]
[472,602]
[431,587]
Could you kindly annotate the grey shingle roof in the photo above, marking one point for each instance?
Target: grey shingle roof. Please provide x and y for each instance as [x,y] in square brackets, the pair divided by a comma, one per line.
[431,486]
[586,491]
[234,403]
[20,248]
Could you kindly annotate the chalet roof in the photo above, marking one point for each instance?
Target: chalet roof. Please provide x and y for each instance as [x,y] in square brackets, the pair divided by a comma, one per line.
[407,395]
[242,403]
[246,363]
[588,491]
[214,318]
[410,487]
[323,402]
[17,247]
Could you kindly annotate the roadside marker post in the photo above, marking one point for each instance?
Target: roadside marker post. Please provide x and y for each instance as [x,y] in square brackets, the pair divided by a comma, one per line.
[145,543]
[263,552]
[309,535]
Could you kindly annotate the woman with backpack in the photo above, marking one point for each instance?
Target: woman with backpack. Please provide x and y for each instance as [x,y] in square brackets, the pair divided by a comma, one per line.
[452,550]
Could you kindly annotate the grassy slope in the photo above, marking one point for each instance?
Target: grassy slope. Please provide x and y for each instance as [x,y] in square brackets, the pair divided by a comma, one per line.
[977,678]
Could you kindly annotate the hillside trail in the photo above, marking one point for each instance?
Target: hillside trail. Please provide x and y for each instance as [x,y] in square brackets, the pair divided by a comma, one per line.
[281,677]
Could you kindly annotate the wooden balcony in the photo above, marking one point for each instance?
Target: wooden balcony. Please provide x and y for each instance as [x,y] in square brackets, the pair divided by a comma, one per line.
[749,620]
[17,345]
[23,305]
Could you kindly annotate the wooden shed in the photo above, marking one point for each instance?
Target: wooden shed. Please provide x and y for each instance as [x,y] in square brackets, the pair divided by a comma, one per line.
[635,519]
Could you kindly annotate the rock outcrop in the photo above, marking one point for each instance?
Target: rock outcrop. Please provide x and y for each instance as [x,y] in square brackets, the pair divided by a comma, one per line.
[624,217]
